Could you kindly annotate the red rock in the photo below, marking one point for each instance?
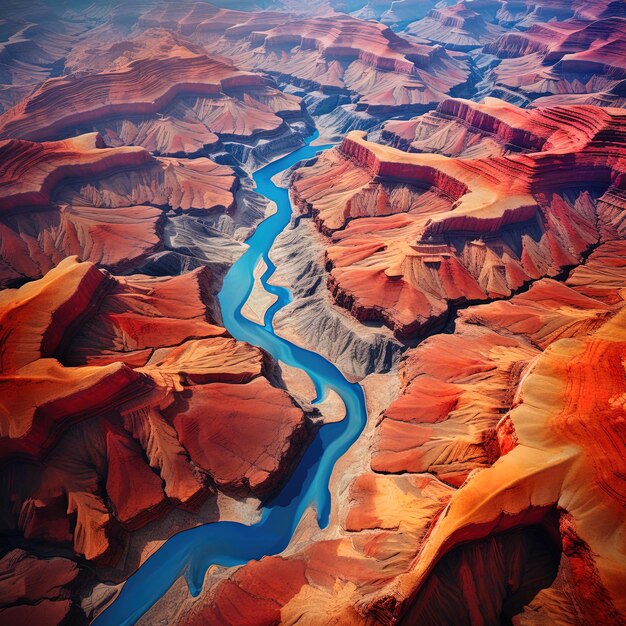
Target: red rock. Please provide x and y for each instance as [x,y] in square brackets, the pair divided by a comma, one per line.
[328,53]
[405,256]
[247,437]
[253,596]
[160,91]
[47,612]
[106,385]
[112,219]
[440,425]
[579,57]
[134,490]
[31,171]
[572,328]
[141,88]
[27,578]
[542,462]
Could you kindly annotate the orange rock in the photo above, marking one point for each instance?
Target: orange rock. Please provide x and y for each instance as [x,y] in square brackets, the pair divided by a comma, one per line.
[104,412]
[141,88]
[105,202]
[484,227]
[527,427]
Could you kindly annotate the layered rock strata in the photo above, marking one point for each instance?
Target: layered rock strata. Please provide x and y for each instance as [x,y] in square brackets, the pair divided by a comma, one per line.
[552,61]
[158,91]
[120,207]
[412,235]
[123,399]
[345,68]
[457,27]
[500,458]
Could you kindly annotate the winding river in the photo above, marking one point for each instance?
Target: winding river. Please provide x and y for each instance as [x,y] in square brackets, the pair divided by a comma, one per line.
[191,552]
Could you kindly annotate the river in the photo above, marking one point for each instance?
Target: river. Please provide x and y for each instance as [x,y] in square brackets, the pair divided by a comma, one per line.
[191,552]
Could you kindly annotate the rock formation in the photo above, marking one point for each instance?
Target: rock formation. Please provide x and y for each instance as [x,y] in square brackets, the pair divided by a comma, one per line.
[457,27]
[412,235]
[107,205]
[104,426]
[465,261]
[167,97]
[500,458]
[550,61]
[33,44]
[342,66]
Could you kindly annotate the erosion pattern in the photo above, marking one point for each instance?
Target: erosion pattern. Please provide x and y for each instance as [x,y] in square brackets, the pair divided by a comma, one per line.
[348,71]
[410,235]
[461,251]
[502,456]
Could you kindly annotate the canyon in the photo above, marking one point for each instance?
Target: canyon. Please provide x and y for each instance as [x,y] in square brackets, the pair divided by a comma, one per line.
[313,312]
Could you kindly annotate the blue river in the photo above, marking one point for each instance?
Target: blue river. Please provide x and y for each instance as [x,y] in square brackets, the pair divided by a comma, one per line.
[191,552]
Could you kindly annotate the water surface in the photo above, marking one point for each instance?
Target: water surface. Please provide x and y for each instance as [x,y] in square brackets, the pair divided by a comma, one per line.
[191,552]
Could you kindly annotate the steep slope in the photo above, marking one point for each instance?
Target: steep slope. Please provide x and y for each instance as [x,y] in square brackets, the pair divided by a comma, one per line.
[113,206]
[33,44]
[104,426]
[500,462]
[555,60]
[457,27]
[412,235]
[157,91]
[347,69]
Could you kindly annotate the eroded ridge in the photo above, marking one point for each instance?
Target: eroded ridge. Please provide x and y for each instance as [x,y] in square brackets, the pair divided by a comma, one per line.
[412,235]
[106,383]
[112,206]
[157,90]
[501,457]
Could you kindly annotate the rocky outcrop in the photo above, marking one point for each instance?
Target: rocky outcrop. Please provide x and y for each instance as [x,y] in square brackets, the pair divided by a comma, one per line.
[34,41]
[382,70]
[490,128]
[558,59]
[487,463]
[363,61]
[457,27]
[565,337]
[36,590]
[313,320]
[412,235]
[106,205]
[104,426]
[490,490]
[158,91]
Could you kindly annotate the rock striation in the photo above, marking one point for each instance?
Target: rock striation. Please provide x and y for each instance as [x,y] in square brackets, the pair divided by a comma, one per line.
[411,236]
[537,457]
[346,68]
[501,458]
[33,43]
[488,484]
[455,27]
[104,425]
[106,205]
[177,103]
[553,60]
[37,590]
